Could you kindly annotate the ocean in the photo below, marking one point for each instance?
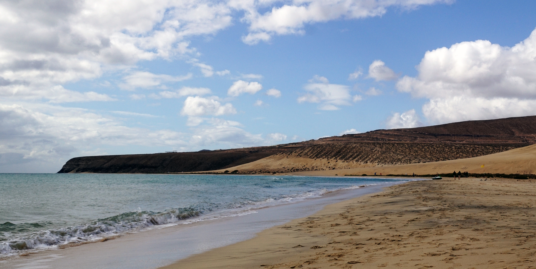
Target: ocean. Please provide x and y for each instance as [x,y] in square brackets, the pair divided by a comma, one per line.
[44,211]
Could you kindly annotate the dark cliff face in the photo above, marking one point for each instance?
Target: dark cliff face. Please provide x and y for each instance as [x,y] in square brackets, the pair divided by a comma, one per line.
[424,144]
[169,162]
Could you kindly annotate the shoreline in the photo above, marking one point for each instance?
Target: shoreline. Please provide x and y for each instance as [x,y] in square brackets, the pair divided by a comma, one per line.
[444,224]
[162,246]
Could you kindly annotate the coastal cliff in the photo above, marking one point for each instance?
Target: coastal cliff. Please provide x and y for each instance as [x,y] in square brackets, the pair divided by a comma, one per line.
[398,146]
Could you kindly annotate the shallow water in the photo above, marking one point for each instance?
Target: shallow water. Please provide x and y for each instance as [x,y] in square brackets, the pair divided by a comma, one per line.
[43,211]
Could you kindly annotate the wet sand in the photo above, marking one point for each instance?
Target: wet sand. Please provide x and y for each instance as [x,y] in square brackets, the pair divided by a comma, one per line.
[468,223]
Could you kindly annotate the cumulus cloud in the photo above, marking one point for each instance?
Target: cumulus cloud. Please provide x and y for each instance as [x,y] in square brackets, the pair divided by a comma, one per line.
[229,133]
[277,137]
[329,96]
[476,80]
[44,45]
[408,119]
[274,93]
[54,94]
[134,114]
[206,69]
[223,72]
[373,92]
[182,92]
[290,17]
[357,98]
[200,106]
[240,87]
[355,75]
[137,96]
[259,103]
[350,131]
[380,72]
[147,80]
[251,76]
[45,135]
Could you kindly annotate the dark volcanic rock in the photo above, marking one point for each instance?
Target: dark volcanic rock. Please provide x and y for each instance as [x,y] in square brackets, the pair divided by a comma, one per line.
[169,162]
[398,146]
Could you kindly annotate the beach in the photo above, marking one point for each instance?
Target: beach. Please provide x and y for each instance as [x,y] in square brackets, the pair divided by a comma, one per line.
[177,216]
[467,223]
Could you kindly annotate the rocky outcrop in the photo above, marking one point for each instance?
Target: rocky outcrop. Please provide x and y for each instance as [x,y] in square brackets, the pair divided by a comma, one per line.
[168,162]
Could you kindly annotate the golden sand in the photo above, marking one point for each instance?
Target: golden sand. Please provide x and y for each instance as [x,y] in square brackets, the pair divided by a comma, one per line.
[468,223]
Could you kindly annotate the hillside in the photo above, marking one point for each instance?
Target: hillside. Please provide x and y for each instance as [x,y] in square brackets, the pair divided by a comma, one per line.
[381,147]
[516,161]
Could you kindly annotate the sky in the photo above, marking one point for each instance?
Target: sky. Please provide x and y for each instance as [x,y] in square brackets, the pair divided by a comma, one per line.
[95,77]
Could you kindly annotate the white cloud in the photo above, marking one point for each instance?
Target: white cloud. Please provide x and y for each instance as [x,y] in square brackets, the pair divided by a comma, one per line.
[380,72]
[373,92]
[199,106]
[329,96]
[258,103]
[229,133]
[134,114]
[254,38]
[274,93]
[240,87]
[277,137]
[137,96]
[45,45]
[54,94]
[223,72]
[408,119]
[206,69]
[357,98]
[318,79]
[355,75]
[251,76]
[476,80]
[350,131]
[46,135]
[147,80]
[182,92]
[290,17]
[460,108]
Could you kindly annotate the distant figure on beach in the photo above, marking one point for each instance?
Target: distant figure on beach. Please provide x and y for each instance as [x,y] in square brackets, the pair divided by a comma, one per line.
[454,175]
[374,173]
[413,174]
[459,175]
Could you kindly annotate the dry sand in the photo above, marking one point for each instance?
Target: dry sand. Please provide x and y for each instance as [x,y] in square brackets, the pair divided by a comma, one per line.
[516,161]
[465,223]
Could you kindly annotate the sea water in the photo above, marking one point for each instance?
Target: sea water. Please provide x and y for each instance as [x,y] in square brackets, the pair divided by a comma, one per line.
[44,211]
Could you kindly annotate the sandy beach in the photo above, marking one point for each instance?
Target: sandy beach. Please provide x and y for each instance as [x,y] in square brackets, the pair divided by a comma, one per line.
[468,223]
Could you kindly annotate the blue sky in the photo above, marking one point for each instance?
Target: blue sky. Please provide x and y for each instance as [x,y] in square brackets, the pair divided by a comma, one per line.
[90,78]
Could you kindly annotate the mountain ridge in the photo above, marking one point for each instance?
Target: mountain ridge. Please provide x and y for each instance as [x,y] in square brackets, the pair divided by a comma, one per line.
[395,146]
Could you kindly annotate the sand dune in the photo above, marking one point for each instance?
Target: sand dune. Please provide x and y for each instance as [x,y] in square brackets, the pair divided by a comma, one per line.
[516,161]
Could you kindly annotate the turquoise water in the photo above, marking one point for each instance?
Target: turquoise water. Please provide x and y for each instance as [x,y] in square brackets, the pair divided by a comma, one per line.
[42,211]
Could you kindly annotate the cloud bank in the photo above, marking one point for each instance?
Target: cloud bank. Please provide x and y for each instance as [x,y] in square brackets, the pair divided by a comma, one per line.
[476,80]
